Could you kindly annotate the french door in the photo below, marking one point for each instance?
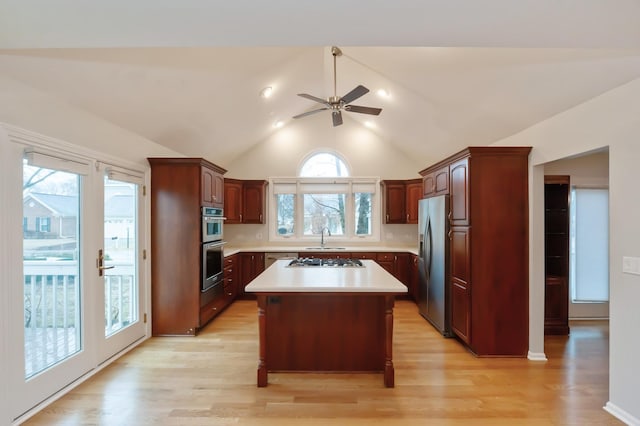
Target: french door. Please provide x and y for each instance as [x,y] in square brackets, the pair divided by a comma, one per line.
[79,299]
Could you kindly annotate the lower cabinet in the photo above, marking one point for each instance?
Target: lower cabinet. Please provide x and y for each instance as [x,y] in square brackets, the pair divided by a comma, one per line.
[460,313]
[231,276]
[251,265]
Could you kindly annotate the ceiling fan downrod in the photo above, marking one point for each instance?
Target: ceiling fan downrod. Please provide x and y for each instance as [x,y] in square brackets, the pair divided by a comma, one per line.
[335,100]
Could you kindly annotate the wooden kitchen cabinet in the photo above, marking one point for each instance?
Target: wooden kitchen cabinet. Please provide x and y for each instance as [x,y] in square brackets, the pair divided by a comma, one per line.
[254,198]
[436,182]
[413,194]
[251,265]
[177,189]
[460,276]
[400,200]
[245,201]
[231,276]
[212,188]
[414,279]
[489,281]
[393,196]
[459,192]
[233,201]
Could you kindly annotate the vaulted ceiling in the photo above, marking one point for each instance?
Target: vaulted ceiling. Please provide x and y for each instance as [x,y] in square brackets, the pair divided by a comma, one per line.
[187,75]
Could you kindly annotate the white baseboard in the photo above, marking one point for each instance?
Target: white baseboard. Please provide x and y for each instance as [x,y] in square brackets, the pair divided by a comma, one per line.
[536,356]
[620,414]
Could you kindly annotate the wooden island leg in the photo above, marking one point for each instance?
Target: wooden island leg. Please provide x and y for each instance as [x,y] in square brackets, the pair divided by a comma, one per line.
[262,327]
[389,374]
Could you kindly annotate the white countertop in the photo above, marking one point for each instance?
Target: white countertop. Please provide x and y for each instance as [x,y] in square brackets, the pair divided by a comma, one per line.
[230,249]
[372,278]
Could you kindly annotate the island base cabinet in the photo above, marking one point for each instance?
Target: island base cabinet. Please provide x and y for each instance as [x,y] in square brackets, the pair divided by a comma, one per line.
[327,333]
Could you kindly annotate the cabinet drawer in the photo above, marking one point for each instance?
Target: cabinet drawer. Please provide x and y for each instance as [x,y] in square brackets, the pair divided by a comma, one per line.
[386,257]
[364,255]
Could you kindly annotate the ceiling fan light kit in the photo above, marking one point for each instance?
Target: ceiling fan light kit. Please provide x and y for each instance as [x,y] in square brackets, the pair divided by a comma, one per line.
[336,104]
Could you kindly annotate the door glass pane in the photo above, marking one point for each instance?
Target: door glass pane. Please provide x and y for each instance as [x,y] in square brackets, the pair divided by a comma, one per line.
[120,260]
[51,265]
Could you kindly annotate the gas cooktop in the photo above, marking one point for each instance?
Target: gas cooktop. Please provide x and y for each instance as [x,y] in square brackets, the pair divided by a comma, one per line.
[312,261]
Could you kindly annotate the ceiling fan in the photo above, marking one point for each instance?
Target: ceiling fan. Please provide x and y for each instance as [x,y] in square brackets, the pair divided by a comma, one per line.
[337,103]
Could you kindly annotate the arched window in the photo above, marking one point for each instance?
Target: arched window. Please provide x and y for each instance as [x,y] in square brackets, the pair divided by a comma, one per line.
[324,164]
[323,202]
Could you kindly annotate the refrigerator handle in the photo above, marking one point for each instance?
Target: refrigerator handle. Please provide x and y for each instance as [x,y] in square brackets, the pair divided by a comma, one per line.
[429,247]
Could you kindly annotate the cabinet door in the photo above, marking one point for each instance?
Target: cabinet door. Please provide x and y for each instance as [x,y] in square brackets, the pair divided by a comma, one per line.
[252,265]
[254,202]
[460,282]
[212,188]
[233,201]
[413,277]
[394,200]
[429,185]
[218,190]
[441,181]
[206,188]
[413,194]
[459,192]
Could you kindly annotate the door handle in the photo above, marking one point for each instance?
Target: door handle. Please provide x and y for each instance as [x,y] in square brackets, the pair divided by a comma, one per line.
[100,263]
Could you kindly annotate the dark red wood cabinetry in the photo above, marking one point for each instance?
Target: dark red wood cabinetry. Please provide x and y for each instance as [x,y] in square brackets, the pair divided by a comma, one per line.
[413,194]
[400,199]
[251,265]
[489,282]
[179,189]
[212,187]
[245,201]
[436,182]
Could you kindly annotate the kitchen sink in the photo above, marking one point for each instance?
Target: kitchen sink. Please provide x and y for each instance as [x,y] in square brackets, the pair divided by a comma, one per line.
[325,248]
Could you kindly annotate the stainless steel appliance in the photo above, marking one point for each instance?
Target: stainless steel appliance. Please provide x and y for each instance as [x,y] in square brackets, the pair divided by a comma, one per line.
[212,265]
[433,253]
[314,261]
[212,224]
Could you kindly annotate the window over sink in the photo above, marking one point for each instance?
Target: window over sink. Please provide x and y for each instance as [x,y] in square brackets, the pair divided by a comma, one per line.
[323,198]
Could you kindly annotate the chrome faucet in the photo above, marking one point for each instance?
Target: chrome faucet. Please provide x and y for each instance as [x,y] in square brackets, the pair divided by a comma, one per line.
[322,235]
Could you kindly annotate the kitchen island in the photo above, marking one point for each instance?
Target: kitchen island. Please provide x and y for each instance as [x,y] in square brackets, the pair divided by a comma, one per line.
[325,318]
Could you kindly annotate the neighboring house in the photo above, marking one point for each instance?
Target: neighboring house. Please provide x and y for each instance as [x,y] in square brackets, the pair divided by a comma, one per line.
[49,216]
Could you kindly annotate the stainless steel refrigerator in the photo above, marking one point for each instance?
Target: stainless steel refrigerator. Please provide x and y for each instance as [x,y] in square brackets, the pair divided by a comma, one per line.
[433,254]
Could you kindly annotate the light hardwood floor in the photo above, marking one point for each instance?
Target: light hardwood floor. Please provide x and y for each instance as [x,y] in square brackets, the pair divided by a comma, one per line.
[211,380]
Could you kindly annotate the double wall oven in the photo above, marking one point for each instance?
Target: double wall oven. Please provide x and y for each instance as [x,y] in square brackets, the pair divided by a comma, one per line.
[212,250]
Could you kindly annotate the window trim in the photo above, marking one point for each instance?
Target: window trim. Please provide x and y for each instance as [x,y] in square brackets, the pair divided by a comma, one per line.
[324,185]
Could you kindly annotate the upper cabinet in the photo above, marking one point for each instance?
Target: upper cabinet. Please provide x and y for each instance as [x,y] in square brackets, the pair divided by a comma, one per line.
[245,201]
[413,195]
[212,187]
[400,199]
[393,193]
[435,182]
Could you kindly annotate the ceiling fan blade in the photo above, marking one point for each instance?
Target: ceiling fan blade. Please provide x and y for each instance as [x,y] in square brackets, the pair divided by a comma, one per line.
[355,94]
[363,109]
[313,98]
[337,118]
[304,114]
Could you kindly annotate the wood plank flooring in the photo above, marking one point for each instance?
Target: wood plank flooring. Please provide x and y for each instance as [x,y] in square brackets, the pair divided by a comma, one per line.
[211,380]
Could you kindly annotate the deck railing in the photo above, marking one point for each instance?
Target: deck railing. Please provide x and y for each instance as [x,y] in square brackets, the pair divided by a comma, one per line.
[52,314]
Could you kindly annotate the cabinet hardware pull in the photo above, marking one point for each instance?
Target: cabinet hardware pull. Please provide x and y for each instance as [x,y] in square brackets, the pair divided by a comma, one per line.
[240,217]
[449,234]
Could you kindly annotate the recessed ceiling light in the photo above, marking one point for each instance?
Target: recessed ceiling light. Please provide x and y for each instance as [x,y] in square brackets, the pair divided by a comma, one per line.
[266,92]
[278,124]
[369,124]
[383,93]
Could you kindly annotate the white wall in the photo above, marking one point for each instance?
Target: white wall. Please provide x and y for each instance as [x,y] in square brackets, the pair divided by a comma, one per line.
[591,170]
[611,120]
[24,107]
[283,152]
